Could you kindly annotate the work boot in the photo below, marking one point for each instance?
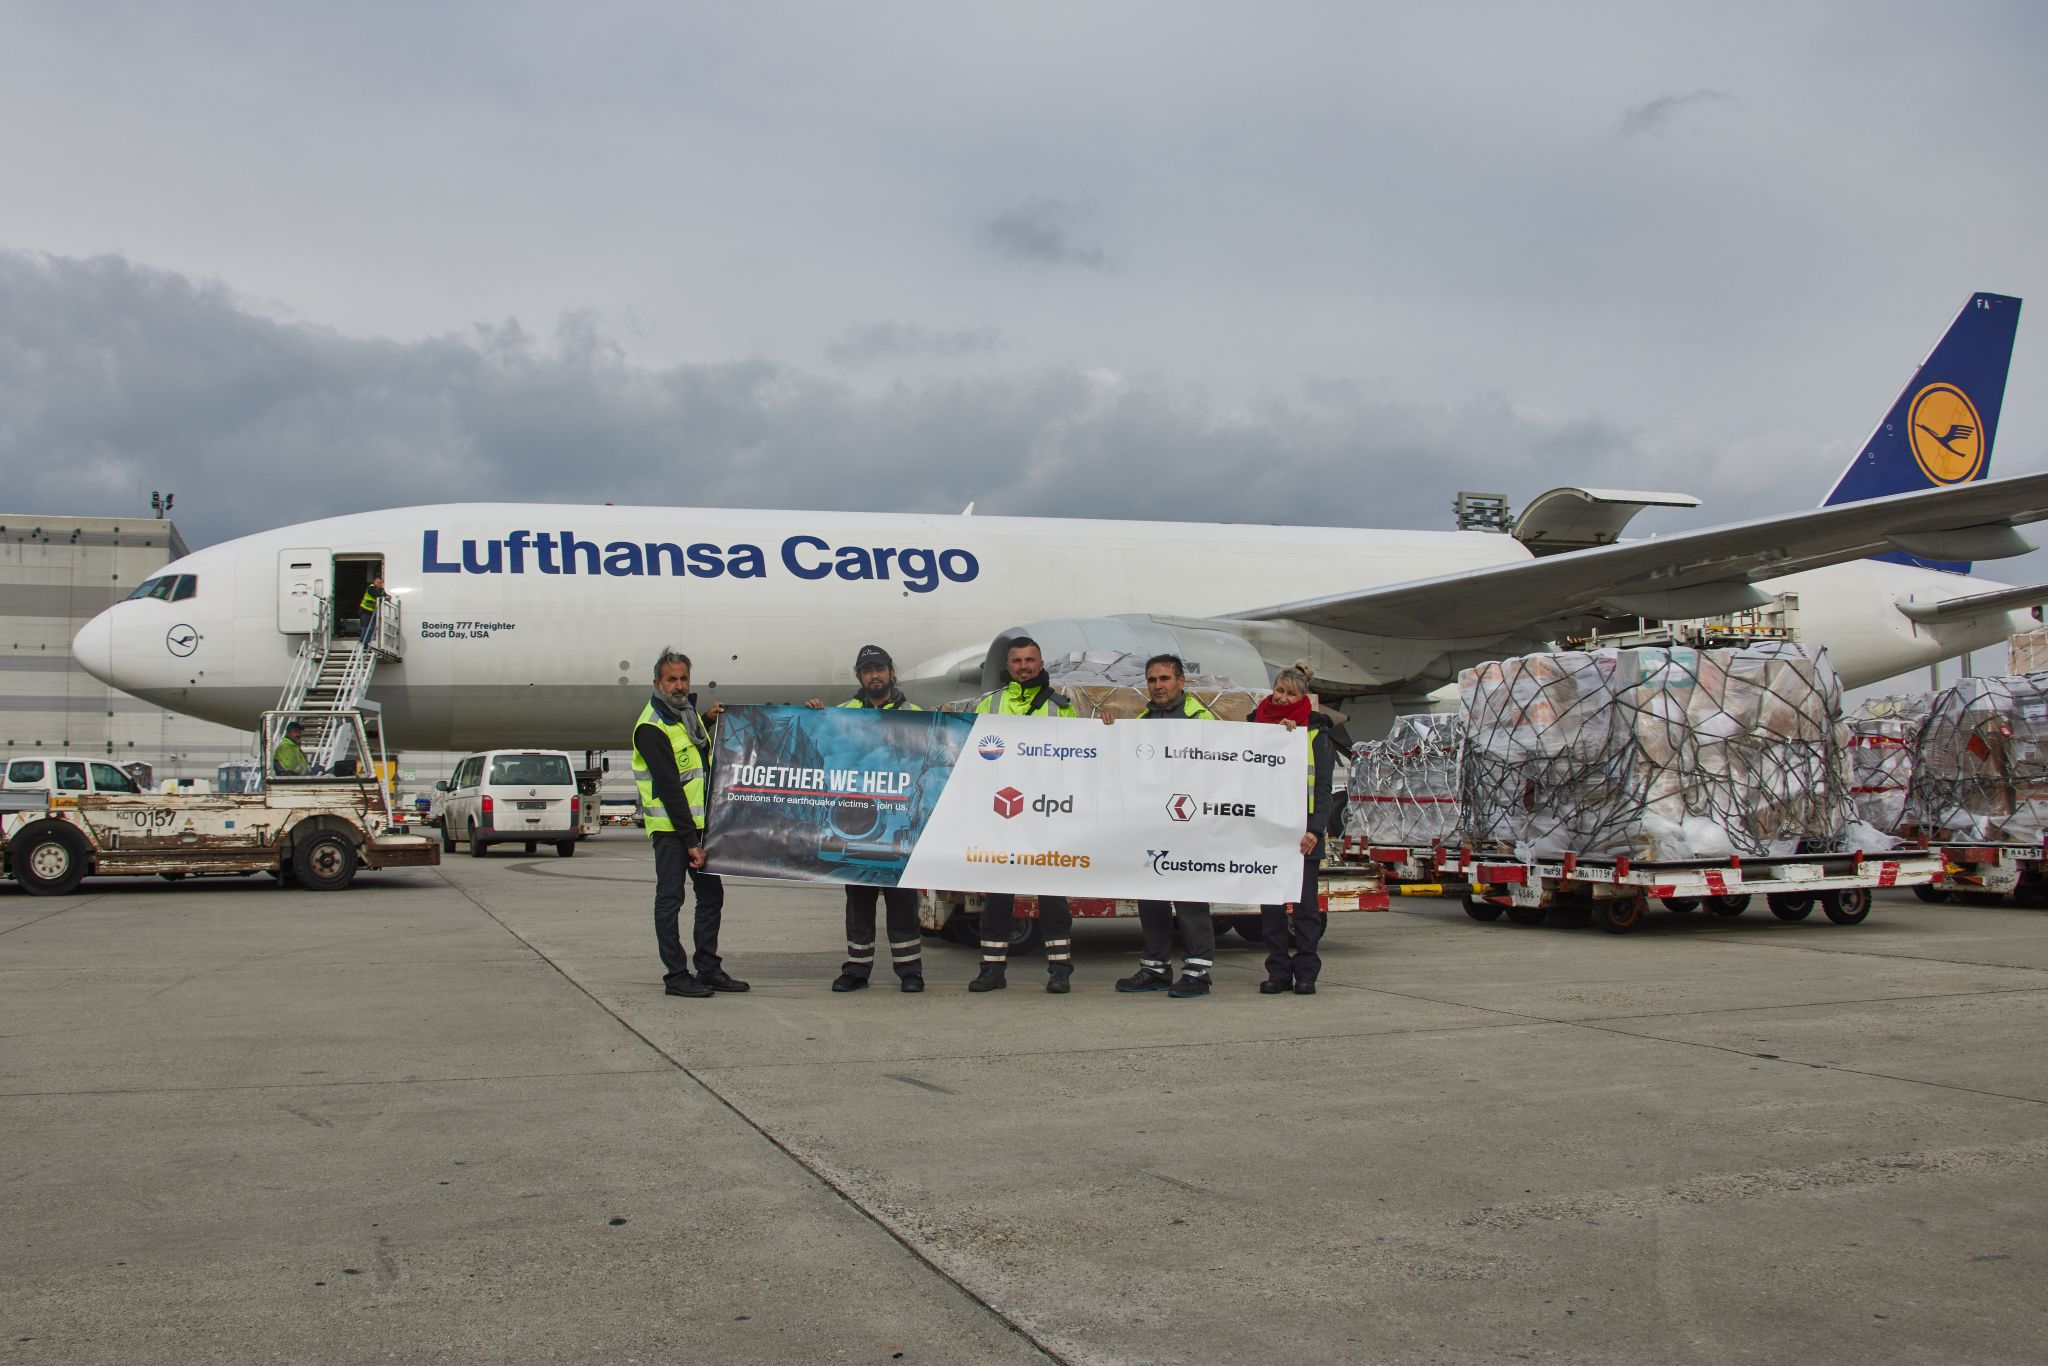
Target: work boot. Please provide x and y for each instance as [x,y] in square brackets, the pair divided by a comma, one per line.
[914,982]
[1144,979]
[1304,988]
[992,978]
[687,986]
[1189,985]
[1056,978]
[846,981]
[718,979]
[1273,986]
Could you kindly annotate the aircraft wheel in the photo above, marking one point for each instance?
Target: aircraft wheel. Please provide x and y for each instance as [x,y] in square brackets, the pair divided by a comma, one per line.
[326,862]
[1850,906]
[1790,905]
[50,858]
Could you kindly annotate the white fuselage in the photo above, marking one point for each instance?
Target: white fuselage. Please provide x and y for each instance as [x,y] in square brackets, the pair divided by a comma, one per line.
[509,640]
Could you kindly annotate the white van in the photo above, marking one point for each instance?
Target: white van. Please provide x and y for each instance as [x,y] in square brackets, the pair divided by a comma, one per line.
[63,774]
[512,796]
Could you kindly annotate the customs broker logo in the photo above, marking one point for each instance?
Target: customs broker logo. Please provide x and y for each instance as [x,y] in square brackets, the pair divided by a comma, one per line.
[1163,863]
[991,747]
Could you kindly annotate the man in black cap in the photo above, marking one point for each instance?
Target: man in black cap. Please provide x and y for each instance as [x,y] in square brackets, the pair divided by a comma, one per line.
[878,692]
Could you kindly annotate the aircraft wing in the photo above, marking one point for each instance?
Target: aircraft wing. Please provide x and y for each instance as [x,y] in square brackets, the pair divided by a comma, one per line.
[1692,574]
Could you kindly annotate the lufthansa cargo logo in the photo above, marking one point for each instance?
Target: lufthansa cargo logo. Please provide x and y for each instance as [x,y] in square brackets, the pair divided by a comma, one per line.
[991,747]
[1946,434]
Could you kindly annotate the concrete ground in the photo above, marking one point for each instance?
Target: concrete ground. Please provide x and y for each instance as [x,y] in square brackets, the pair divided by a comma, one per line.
[448,1115]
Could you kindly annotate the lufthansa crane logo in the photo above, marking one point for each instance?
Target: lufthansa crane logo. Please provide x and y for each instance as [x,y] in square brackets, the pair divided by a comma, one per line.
[181,640]
[1946,434]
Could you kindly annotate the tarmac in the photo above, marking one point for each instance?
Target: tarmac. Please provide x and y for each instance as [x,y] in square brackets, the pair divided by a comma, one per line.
[448,1115]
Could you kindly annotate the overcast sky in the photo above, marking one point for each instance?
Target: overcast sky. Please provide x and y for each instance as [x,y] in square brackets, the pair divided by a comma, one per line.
[1327,263]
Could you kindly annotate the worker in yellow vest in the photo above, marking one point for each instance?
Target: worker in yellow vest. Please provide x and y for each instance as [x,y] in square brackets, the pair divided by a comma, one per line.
[1292,932]
[1027,693]
[672,766]
[876,672]
[1166,691]
[372,596]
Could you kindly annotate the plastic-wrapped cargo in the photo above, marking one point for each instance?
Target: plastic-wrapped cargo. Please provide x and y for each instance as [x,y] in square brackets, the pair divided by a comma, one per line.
[1655,754]
[2027,652]
[1980,768]
[1881,740]
[1404,789]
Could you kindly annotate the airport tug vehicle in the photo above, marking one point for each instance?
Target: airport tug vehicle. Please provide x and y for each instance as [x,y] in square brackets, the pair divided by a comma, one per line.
[324,812]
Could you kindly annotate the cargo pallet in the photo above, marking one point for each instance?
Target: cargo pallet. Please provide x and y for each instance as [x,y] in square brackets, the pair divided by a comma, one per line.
[956,916]
[1614,893]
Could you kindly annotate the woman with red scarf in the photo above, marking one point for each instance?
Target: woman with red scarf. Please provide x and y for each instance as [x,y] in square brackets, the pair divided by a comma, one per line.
[1292,932]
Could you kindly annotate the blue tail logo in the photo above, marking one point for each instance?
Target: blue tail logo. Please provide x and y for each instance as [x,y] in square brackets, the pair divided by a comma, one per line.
[1940,430]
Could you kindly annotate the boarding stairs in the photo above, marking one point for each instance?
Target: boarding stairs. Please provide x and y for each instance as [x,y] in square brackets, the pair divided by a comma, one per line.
[331,676]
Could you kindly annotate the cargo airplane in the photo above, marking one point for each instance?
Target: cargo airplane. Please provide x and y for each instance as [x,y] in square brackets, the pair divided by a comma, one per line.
[537,624]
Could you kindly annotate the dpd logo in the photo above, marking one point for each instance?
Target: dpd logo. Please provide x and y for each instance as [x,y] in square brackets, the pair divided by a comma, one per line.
[991,747]
[1010,802]
[1181,806]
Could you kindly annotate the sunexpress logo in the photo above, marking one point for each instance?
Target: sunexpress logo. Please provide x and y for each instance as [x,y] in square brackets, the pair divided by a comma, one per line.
[920,569]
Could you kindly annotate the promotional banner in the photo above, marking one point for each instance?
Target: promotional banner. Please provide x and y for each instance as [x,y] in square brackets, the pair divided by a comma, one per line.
[1158,810]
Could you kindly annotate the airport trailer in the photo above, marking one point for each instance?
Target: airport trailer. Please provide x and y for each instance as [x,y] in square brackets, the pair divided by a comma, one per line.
[312,831]
[1614,893]
[957,915]
[1980,874]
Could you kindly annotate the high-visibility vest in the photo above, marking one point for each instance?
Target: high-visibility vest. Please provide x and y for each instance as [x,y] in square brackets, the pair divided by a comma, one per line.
[1190,707]
[289,757]
[1313,731]
[369,599]
[905,705]
[689,767]
[1009,700]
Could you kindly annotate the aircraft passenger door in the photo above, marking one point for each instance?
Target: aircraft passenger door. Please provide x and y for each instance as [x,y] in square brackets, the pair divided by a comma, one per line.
[302,579]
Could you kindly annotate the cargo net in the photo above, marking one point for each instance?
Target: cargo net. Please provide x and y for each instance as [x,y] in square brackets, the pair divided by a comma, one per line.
[1404,789]
[1881,740]
[1663,755]
[1980,770]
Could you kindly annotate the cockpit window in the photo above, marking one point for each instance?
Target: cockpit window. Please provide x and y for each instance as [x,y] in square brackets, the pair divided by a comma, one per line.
[147,588]
[188,584]
[167,588]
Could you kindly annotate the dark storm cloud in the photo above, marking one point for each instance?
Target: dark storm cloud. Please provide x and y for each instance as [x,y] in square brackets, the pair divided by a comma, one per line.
[1043,231]
[1655,115]
[116,380]
[886,341]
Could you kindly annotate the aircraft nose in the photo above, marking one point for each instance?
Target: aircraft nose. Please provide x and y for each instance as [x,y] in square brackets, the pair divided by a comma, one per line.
[93,647]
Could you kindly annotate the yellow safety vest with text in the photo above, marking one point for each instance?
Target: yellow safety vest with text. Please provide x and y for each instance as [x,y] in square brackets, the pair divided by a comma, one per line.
[689,767]
[1008,700]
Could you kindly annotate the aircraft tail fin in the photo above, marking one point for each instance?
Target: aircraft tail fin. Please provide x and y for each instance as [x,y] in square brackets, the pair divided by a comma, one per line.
[1941,428]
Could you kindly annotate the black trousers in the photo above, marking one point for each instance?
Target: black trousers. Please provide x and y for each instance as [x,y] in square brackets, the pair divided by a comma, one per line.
[1055,921]
[1197,936]
[1292,935]
[671,865]
[906,939]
